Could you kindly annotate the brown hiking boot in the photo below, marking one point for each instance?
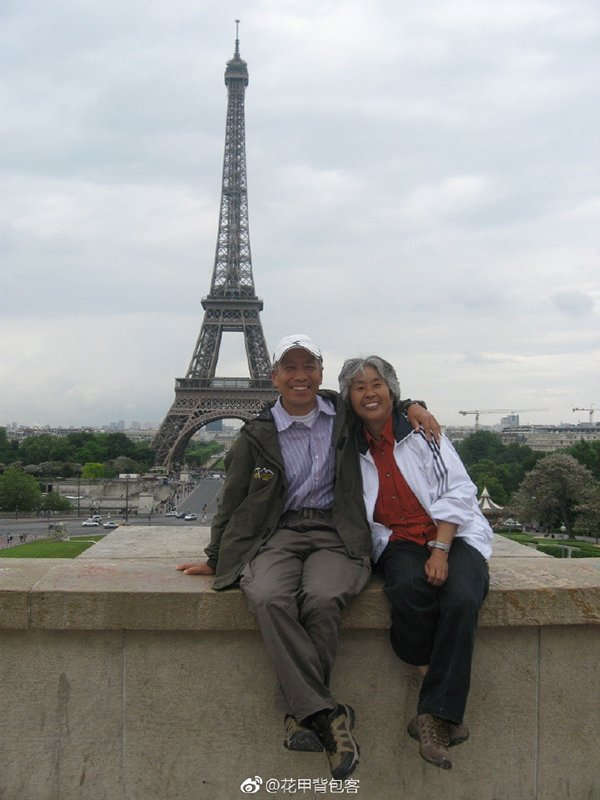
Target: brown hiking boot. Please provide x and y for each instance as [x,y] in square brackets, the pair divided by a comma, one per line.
[299,737]
[457,734]
[334,729]
[432,734]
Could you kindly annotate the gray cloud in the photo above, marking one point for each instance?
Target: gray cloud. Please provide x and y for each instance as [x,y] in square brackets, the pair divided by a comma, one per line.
[573,303]
[422,183]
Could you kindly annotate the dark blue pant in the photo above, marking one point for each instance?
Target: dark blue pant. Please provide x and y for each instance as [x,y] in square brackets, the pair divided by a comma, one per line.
[435,625]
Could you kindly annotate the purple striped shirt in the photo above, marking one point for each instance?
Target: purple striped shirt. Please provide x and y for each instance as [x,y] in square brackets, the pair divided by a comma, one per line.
[308,456]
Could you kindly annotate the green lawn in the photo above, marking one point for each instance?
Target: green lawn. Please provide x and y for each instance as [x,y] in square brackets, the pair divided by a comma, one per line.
[50,548]
[552,546]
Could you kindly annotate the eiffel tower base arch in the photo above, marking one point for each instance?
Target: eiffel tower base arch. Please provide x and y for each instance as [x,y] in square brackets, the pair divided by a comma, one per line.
[195,406]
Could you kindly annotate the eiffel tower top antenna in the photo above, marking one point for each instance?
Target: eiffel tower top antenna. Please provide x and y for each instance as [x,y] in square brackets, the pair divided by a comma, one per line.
[237,39]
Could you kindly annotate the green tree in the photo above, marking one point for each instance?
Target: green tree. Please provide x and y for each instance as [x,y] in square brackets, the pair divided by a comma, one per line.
[144,455]
[588,454]
[71,469]
[77,448]
[552,490]
[47,468]
[479,446]
[486,458]
[32,469]
[494,487]
[8,449]
[54,501]
[92,451]
[198,453]
[588,513]
[78,442]
[92,470]
[36,449]
[118,444]
[19,491]
[125,464]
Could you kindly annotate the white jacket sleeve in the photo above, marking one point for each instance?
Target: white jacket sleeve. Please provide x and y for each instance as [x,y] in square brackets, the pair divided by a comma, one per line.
[453,494]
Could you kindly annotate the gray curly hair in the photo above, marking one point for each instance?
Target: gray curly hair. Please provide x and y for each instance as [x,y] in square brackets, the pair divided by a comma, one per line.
[356,366]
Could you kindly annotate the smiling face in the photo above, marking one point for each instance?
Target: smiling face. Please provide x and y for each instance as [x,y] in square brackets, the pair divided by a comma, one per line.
[297,377]
[371,399]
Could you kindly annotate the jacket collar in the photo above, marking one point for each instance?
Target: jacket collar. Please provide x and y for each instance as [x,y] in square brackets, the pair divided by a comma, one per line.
[324,395]
[400,425]
[283,420]
[263,432]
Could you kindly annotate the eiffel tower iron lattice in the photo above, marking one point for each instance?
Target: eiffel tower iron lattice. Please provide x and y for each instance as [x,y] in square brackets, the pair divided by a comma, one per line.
[231,305]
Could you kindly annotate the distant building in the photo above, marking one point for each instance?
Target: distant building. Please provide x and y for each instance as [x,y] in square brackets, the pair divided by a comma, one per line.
[116,426]
[456,433]
[217,425]
[547,438]
[509,421]
[20,432]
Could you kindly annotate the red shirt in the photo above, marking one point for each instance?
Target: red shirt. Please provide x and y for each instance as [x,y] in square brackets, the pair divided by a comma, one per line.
[397,506]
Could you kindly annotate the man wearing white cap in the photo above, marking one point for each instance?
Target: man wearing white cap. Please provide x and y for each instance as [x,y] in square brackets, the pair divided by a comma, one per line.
[292,527]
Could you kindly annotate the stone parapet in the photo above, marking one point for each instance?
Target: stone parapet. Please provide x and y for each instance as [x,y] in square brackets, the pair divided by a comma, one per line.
[124,679]
[128,581]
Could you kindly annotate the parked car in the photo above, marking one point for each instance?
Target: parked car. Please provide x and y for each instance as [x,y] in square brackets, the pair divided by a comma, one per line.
[180,515]
[512,524]
[90,523]
[171,514]
[110,524]
[191,516]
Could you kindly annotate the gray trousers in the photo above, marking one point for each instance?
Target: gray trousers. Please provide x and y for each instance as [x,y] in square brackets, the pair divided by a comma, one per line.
[297,586]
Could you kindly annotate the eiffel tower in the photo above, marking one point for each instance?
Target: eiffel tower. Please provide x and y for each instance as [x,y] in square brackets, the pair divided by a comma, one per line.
[231,305]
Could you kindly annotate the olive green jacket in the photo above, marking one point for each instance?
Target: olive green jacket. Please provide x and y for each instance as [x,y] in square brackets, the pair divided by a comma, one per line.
[254,495]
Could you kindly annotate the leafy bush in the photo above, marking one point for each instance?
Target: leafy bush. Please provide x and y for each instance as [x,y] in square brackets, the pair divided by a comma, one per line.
[551,550]
[576,551]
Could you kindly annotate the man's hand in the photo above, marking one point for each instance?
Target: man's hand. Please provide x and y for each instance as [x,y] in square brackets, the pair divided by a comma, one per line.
[201,568]
[436,567]
[419,416]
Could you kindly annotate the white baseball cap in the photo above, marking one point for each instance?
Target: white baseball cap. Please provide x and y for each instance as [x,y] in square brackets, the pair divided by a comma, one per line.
[295,340]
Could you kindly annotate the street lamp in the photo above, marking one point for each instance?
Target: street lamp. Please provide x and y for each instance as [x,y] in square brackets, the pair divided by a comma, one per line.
[127,497]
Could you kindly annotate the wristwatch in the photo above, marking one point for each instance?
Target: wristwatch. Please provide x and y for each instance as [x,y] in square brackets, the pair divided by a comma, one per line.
[435,545]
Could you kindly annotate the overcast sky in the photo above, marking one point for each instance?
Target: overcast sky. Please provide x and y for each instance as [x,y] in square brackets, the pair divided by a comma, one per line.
[423,182]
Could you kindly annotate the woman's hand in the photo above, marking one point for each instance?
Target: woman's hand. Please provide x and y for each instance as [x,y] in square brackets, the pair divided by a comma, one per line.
[436,567]
[420,417]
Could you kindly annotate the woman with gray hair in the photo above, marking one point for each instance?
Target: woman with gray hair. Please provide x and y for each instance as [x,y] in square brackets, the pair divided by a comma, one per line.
[430,541]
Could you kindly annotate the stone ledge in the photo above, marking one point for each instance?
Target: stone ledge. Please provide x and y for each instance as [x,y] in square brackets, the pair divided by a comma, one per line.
[125,583]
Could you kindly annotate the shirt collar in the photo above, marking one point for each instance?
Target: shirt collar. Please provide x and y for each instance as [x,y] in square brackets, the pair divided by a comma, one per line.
[387,434]
[283,420]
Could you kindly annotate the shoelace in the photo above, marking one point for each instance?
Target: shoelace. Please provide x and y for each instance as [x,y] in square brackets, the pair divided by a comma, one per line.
[433,733]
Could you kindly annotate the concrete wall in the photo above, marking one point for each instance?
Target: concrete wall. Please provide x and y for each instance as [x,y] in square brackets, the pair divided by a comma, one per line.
[124,679]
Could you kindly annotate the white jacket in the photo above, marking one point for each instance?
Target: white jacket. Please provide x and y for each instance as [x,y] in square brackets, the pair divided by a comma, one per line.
[440,482]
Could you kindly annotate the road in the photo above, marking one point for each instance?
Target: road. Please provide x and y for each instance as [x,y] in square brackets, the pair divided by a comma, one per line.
[28,529]
[205,493]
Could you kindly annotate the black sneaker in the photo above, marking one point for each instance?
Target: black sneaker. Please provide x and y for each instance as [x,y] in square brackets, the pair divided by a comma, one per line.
[299,737]
[335,732]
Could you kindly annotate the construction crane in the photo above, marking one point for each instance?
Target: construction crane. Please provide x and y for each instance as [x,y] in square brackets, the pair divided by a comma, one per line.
[590,410]
[477,412]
